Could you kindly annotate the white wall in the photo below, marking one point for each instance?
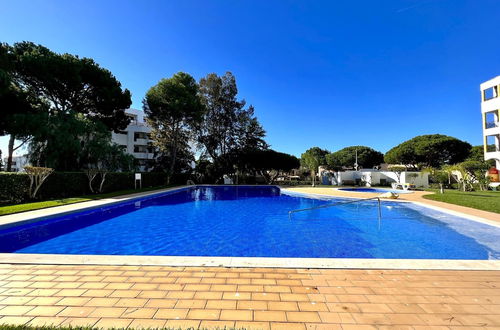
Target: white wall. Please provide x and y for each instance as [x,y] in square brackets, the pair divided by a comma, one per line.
[373,177]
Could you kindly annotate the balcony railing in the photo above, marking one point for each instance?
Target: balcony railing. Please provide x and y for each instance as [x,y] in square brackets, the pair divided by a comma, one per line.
[491,124]
[492,148]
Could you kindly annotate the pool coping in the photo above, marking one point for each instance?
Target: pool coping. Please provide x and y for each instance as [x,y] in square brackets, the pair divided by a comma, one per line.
[264,262]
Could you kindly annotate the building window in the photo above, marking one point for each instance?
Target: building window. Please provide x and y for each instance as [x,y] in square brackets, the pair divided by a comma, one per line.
[140,148]
[492,143]
[490,93]
[491,119]
[140,135]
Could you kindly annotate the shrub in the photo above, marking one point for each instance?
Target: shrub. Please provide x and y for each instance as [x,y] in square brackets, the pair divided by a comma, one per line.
[14,187]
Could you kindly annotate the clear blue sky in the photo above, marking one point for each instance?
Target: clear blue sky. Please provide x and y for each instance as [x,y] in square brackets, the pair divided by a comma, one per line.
[319,73]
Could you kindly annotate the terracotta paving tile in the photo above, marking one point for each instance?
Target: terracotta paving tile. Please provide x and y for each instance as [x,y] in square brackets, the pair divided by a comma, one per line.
[265,296]
[79,322]
[252,325]
[275,316]
[130,302]
[183,324]
[277,288]
[113,323]
[70,292]
[323,326]
[146,324]
[237,296]
[108,312]
[236,315]
[208,295]
[125,293]
[312,306]
[15,300]
[161,303]
[287,326]
[15,310]
[101,302]
[140,313]
[303,317]
[203,314]
[216,324]
[358,327]
[44,311]
[152,294]
[171,313]
[73,301]
[15,320]
[252,305]
[76,311]
[119,286]
[46,321]
[180,295]
[190,303]
[43,301]
[221,304]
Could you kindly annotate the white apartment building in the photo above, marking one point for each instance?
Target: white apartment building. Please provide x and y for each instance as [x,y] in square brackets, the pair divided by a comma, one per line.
[135,138]
[18,163]
[490,109]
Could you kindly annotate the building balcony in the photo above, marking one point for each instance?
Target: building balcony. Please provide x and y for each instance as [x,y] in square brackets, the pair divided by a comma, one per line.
[490,105]
[144,142]
[143,155]
[492,155]
[492,129]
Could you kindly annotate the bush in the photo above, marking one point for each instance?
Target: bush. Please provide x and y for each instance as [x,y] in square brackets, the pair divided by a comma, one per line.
[14,186]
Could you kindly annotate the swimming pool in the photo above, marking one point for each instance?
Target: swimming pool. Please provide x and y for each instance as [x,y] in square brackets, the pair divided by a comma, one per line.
[253,221]
[375,190]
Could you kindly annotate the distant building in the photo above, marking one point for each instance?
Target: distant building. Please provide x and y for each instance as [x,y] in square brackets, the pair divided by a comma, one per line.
[490,107]
[135,139]
[18,163]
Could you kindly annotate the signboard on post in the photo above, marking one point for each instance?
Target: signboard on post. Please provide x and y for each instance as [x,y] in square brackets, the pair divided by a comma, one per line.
[138,177]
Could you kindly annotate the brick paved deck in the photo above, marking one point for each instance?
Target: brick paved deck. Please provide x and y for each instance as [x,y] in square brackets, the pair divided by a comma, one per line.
[256,298]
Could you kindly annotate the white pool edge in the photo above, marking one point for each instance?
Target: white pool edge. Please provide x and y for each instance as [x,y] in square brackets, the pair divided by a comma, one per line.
[191,261]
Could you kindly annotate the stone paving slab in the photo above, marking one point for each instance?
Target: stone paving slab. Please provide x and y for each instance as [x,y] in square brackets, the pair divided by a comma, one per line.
[255,298]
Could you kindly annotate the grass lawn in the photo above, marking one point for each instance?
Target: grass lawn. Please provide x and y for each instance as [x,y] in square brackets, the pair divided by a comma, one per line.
[10,209]
[481,200]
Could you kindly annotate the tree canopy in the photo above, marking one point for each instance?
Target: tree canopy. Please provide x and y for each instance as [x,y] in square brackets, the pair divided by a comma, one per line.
[70,84]
[64,96]
[228,128]
[346,157]
[269,163]
[312,159]
[429,150]
[174,109]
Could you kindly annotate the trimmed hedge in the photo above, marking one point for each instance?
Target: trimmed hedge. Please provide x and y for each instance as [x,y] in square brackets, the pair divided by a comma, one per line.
[14,186]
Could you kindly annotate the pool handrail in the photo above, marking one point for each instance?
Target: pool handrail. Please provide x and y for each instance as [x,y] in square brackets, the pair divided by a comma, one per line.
[337,204]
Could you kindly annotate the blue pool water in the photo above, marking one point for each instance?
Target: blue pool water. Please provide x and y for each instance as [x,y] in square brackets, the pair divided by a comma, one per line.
[254,222]
[376,190]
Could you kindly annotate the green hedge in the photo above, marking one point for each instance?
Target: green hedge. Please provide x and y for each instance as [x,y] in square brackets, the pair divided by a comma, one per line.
[14,186]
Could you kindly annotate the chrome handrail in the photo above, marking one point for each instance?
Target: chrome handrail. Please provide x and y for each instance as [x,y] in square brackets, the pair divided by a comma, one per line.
[337,204]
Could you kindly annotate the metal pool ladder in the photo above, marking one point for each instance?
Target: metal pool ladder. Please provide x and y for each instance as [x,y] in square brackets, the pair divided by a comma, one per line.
[337,204]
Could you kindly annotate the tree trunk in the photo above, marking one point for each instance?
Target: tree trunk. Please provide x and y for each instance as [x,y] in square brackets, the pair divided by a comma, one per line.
[441,190]
[10,151]
[103,178]
[314,178]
